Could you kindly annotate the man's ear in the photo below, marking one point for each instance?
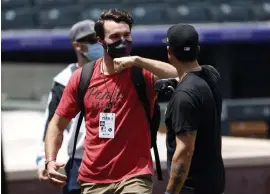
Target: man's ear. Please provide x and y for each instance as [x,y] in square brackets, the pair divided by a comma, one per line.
[169,50]
[99,40]
[75,45]
[198,50]
[102,42]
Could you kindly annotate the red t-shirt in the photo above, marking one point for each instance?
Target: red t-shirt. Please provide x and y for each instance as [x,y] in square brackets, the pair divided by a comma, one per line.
[128,153]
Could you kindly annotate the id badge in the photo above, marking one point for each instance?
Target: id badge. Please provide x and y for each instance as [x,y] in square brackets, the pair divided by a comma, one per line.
[106,125]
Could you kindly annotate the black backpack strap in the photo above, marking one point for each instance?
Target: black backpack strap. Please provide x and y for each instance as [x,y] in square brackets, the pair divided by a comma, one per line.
[139,84]
[86,75]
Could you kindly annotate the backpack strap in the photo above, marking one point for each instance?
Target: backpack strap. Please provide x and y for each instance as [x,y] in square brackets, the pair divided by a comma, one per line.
[86,74]
[139,84]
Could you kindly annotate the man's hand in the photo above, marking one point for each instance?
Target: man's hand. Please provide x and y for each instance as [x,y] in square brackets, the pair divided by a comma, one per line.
[55,177]
[123,63]
[42,174]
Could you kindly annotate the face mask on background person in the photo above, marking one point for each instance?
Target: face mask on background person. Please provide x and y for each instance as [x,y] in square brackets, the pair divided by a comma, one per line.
[95,51]
[120,48]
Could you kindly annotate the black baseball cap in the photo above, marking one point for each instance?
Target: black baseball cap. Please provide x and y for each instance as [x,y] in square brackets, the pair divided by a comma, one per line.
[183,39]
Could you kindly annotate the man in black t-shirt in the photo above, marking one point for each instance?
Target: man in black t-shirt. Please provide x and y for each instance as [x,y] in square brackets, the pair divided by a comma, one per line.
[193,119]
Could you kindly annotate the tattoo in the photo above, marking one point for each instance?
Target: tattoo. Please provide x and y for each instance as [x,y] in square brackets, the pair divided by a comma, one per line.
[181,161]
[178,176]
[178,169]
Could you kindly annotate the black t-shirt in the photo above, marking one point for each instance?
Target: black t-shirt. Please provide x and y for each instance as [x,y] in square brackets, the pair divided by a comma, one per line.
[194,106]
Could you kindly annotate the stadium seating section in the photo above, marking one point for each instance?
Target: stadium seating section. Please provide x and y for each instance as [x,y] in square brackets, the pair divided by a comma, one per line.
[49,14]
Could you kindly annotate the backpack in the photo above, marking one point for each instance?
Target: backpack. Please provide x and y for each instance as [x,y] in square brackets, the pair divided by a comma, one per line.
[139,85]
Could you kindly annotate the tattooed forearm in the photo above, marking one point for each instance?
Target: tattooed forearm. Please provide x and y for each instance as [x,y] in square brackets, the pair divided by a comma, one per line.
[179,172]
[181,162]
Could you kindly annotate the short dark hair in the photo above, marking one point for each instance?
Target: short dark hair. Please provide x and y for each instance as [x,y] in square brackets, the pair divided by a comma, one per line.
[186,57]
[117,15]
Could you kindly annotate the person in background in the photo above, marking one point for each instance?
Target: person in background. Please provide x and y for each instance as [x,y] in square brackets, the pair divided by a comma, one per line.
[84,42]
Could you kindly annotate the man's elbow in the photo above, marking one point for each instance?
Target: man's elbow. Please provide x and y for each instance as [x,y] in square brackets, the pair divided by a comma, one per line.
[59,122]
[189,151]
[185,144]
[183,153]
[56,126]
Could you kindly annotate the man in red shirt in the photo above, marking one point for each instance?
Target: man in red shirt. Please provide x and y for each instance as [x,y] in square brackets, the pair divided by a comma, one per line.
[118,160]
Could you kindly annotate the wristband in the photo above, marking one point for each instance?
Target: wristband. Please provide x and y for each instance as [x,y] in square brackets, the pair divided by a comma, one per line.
[48,160]
[50,157]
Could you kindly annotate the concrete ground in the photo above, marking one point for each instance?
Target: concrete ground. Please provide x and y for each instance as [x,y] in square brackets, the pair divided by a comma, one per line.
[247,161]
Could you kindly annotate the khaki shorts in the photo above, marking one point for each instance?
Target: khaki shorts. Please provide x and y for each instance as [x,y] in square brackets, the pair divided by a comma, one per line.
[135,185]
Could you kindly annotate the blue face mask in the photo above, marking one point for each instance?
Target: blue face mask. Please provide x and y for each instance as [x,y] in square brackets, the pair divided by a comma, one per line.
[95,51]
